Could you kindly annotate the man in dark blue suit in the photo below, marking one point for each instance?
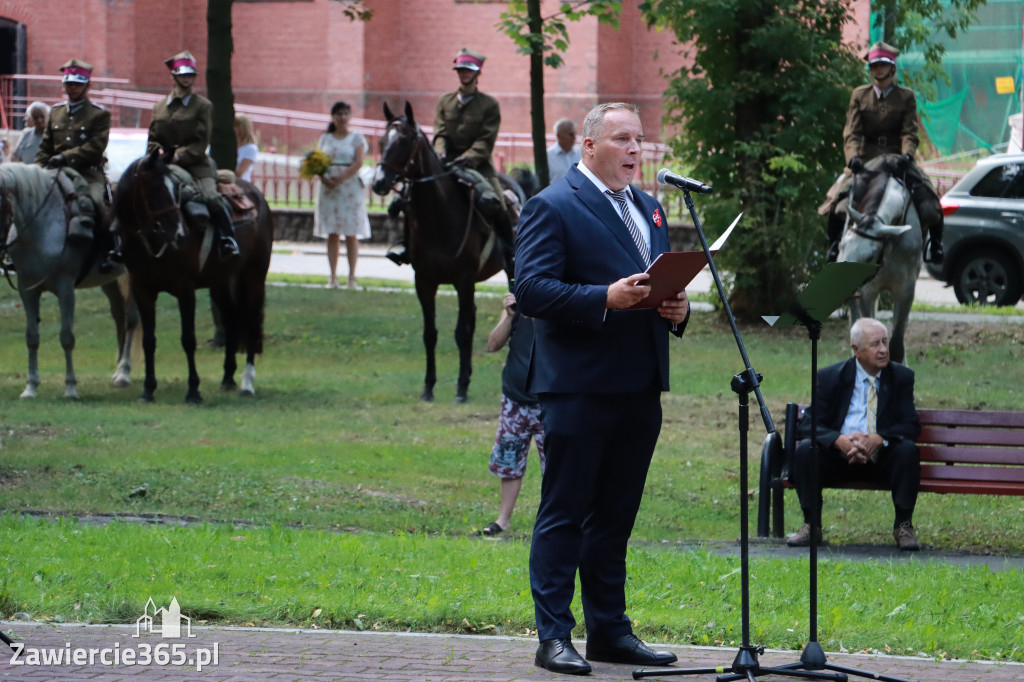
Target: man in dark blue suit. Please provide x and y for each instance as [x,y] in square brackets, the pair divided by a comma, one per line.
[599,370]
[866,427]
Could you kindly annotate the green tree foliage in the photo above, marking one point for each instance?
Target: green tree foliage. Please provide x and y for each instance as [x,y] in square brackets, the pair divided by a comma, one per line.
[920,25]
[761,112]
[544,39]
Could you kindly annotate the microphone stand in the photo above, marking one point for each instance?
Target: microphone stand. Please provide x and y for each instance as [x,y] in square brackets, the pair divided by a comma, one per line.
[745,665]
[835,282]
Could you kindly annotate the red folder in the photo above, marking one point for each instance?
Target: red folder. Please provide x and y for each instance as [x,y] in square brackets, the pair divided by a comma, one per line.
[672,271]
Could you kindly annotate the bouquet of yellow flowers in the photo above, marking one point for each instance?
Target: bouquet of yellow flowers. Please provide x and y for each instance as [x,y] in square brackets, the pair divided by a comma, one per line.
[316,163]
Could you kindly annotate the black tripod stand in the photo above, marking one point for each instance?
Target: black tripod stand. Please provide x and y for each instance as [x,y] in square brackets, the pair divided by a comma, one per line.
[745,665]
[816,302]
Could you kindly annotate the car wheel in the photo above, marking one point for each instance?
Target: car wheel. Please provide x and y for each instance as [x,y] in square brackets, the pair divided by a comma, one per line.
[987,277]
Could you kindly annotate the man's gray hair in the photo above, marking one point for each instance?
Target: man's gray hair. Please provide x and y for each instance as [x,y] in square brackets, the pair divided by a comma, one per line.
[860,328]
[593,124]
[37,105]
[565,124]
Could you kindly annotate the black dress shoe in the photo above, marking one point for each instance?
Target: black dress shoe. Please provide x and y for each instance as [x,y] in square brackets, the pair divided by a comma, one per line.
[628,649]
[559,656]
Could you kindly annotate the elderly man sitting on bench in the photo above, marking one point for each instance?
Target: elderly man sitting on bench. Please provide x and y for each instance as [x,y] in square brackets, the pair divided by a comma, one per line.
[866,427]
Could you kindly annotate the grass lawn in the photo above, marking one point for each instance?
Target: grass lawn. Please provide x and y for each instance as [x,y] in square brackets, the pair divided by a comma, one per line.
[335,497]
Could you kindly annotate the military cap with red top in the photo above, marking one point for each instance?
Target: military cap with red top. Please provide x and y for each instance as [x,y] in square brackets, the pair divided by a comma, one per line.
[76,71]
[882,52]
[468,59]
[182,64]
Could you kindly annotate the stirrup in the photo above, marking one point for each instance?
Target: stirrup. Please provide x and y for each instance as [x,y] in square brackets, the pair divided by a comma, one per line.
[228,248]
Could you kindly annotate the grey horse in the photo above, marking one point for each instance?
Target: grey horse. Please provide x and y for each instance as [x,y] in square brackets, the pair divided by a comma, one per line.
[35,223]
[883,228]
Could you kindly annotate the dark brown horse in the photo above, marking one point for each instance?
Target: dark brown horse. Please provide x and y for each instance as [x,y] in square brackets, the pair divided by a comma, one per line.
[448,241]
[164,255]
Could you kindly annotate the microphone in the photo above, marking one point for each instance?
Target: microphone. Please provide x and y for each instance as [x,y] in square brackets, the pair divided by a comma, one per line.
[667,177]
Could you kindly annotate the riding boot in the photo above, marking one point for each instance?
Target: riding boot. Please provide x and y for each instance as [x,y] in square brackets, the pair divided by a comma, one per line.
[396,207]
[929,212]
[114,257]
[227,247]
[398,254]
[834,231]
[935,254]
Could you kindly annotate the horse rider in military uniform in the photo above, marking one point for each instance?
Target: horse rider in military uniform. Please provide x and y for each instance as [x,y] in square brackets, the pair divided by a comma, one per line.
[882,119]
[465,129]
[75,140]
[183,122]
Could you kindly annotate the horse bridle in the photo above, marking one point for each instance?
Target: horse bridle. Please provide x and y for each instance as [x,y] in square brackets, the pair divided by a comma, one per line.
[886,240]
[175,207]
[419,143]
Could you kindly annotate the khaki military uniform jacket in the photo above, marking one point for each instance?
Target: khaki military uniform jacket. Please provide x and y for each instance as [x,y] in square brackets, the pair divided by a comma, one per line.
[81,138]
[469,129]
[880,126]
[184,125]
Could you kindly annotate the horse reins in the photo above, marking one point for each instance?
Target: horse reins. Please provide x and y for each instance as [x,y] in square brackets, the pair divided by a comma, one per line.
[175,207]
[421,146]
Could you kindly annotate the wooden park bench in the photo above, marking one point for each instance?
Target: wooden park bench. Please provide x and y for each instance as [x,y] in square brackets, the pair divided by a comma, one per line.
[969,452]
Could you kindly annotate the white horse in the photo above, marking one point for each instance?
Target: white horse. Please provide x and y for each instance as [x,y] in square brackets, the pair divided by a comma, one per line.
[35,224]
[885,230]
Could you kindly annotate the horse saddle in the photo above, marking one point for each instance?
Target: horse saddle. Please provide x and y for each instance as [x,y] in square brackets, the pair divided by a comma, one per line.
[242,207]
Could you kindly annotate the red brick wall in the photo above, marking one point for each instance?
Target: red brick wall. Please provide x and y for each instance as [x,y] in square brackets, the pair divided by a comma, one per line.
[306,55]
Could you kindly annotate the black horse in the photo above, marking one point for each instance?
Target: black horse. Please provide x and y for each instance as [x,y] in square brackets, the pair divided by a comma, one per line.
[449,241]
[164,255]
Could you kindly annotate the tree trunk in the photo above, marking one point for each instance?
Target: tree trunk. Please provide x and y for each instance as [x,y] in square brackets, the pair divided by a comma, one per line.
[537,124]
[220,46]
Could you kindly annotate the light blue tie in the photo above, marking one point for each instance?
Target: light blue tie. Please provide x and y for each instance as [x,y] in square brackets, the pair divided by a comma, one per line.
[634,231]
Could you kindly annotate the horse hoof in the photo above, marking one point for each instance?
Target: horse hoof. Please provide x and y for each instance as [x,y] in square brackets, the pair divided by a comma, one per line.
[460,399]
[194,399]
[247,393]
[146,398]
[427,397]
[228,385]
[122,382]
[71,394]
[28,393]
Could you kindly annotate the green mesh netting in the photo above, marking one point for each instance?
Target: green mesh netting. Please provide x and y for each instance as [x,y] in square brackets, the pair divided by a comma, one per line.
[968,113]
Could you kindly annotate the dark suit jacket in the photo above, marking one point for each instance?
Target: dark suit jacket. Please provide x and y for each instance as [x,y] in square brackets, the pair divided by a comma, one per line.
[572,244]
[897,416]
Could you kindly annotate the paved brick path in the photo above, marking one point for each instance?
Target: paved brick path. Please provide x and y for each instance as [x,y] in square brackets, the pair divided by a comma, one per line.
[251,654]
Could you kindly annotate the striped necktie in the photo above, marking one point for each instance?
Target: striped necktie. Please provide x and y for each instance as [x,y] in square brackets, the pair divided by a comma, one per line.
[634,231]
[872,405]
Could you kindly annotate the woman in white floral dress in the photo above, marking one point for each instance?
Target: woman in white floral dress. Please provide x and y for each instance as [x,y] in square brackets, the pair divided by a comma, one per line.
[341,206]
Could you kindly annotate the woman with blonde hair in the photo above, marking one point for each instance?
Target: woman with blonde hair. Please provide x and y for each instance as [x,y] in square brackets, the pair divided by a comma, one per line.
[248,149]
